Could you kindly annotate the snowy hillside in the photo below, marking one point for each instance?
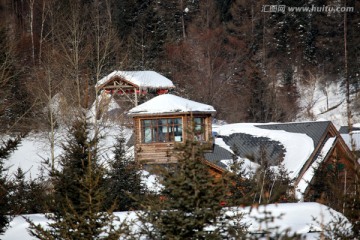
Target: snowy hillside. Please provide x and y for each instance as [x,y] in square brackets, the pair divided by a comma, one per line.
[324,103]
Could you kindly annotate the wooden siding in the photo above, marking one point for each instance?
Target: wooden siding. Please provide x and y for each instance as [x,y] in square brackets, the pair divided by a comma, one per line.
[153,153]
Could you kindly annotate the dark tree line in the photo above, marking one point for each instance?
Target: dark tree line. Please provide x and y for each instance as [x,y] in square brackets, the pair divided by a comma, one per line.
[211,50]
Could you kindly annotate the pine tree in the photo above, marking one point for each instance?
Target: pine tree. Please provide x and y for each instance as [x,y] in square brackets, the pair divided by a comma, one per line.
[124,181]
[264,186]
[190,201]
[5,150]
[20,190]
[38,194]
[79,196]
[28,195]
[241,184]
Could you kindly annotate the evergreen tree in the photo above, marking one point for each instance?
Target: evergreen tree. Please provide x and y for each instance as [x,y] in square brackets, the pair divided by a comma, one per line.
[79,197]
[28,195]
[271,186]
[19,192]
[5,150]
[190,201]
[124,180]
[264,186]
[241,184]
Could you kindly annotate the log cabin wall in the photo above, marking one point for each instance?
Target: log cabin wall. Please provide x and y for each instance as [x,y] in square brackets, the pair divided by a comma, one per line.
[162,152]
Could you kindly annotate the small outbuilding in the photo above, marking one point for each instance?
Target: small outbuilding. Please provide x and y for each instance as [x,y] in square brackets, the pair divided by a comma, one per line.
[165,120]
[134,84]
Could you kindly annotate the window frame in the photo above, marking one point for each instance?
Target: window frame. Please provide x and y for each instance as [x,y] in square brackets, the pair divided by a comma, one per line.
[200,128]
[161,130]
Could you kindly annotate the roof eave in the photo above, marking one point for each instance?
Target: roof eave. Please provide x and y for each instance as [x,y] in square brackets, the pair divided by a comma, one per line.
[143,114]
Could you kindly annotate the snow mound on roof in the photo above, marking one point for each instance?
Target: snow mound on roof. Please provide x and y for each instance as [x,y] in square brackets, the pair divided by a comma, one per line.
[168,103]
[143,79]
[298,146]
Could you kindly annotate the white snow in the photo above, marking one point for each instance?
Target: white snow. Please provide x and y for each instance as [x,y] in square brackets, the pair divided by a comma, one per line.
[298,146]
[31,152]
[168,103]
[104,102]
[35,148]
[324,102]
[355,138]
[309,174]
[143,79]
[301,218]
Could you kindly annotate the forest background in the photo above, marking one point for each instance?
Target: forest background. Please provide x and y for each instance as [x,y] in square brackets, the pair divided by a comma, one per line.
[246,62]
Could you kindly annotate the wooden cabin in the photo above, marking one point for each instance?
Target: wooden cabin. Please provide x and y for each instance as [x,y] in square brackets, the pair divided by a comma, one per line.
[134,84]
[165,120]
[311,145]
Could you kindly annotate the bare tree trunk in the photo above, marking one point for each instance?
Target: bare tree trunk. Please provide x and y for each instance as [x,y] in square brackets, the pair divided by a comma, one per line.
[31,5]
[43,19]
[182,18]
[52,121]
[347,81]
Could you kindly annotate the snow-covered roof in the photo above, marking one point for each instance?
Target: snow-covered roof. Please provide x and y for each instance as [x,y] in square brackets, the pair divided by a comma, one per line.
[168,103]
[296,141]
[298,146]
[309,174]
[142,79]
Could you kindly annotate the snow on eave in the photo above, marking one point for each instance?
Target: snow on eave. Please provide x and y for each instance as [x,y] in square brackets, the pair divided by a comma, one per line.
[142,79]
[309,174]
[170,104]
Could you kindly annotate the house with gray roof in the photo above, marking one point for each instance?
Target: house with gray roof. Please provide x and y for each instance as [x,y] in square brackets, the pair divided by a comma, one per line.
[299,147]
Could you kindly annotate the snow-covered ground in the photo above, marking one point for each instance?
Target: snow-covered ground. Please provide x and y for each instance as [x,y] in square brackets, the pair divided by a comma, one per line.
[34,149]
[324,102]
[307,219]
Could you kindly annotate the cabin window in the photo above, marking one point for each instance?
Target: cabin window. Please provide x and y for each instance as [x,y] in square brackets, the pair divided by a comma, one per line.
[199,129]
[161,130]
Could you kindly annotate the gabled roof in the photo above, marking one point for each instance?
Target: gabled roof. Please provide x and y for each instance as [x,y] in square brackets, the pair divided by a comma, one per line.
[345,129]
[139,79]
[250,140]
[353,138]
[168,103]
[298,146]
[315,130]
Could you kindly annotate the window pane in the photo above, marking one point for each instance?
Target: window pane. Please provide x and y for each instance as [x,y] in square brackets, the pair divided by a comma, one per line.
[147,135]
[178,133]
[163,122]
[155,136]
[198,124]
[199,129]
[146,123]
[162,130]
[177,121]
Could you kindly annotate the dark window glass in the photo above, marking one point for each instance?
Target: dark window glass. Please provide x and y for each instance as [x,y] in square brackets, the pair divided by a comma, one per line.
[199,129]
[161,130]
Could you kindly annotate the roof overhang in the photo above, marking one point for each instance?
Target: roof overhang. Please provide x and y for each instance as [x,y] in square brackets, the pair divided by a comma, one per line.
[145,114]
